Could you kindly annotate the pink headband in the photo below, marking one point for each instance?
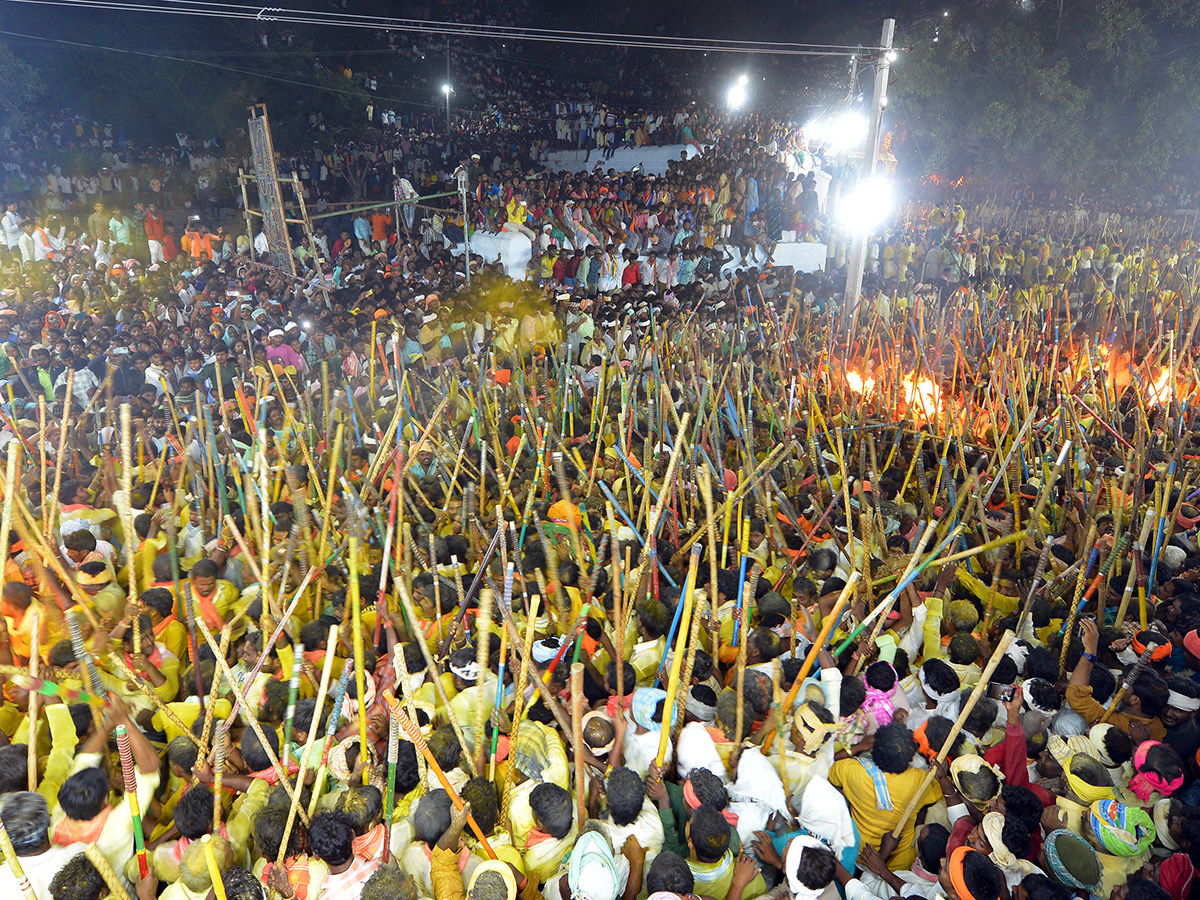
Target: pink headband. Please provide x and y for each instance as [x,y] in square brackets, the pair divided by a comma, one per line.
[1146,782]
[1191,642]
[693,802]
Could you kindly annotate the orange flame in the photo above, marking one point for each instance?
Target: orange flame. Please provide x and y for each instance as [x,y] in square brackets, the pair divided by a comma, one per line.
[857,383]
[1163,390]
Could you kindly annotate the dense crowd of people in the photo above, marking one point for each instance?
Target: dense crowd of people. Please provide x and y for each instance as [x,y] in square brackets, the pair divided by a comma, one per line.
[364,582]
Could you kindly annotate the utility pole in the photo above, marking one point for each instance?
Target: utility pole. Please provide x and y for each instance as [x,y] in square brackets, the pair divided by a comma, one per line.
[858,251]
[463,187]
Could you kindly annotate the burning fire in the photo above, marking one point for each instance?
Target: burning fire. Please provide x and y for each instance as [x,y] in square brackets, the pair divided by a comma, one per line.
[918,397]
[1162,391]
[924,398]
[858,384]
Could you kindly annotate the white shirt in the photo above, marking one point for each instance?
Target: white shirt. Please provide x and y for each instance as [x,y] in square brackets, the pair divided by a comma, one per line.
[12,228]
[39,869]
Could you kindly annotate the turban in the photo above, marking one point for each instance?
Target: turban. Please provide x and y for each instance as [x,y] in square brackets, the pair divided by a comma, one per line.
[993,829]
[1097,736]
[1176,875]
[1062,749]
[601,715]
[592,874]
[1182,702]
[1033,704]
[1191,643]
[791,866]
[1122,830]
[962,771]
[645,700]
[956,868]
[698,708]
[879,702]
[813,732]
[693,803]
[1162,823]
[1072,861]
[1018,652]
[946,704]
[1088,786]
[1160,652]
[497,867]
[545,650]
[921,736]
[104,576]
[1145,780]
[467,671]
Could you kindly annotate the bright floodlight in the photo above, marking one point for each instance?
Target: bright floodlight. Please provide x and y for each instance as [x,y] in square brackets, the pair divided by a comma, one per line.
[848,130]
[447,90]
[743,78]
[737,95]
[868,205]
[891,56]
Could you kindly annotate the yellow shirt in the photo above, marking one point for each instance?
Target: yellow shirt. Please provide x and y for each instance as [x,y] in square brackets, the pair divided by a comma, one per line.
[859,790]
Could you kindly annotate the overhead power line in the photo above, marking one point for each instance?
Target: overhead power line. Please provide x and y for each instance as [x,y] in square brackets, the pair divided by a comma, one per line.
[218,10]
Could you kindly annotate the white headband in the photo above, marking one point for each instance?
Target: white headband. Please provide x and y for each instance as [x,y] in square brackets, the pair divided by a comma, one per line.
[1182,702]
[467,672]
[795,850]
[1032,704]
[933,694]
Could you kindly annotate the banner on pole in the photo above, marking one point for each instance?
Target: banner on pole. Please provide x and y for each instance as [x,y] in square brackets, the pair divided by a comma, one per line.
[270,198]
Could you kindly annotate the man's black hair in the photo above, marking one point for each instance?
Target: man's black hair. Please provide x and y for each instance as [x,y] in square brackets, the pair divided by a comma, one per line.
[626,793]
[551,807]
[709,834]
[894,748]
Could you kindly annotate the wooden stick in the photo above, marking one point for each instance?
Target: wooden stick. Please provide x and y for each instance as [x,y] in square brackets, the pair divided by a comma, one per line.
[681,647]
[116,886]
[577,738]
[414,735]
[223,665]
[826,629]
[980,687]
[313,728]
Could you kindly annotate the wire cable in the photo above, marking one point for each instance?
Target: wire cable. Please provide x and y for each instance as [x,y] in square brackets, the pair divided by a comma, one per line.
[274,14]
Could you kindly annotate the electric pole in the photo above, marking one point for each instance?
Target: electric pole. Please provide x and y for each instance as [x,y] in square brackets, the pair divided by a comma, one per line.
[858,250]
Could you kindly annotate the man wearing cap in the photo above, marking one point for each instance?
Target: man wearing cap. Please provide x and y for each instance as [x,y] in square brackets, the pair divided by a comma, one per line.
[278,351]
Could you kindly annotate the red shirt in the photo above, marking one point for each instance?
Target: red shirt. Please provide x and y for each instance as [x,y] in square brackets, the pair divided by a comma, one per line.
[154,227]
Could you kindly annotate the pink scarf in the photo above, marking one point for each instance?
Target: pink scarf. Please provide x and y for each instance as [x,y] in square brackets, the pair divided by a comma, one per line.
[1147,781]
[880,702]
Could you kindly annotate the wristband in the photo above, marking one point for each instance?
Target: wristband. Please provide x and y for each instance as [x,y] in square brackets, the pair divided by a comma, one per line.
[1090,657]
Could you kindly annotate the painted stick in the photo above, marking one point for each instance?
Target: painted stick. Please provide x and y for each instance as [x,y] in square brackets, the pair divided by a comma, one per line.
[135,813]
[223,667]
[220,747]
[414,735]
[389,794]
[681,642]
[826,629]
[293,693]
[82,655]
[214,871]
[14,864]
[1130,680]
[305,756]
